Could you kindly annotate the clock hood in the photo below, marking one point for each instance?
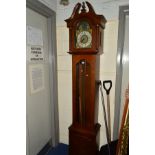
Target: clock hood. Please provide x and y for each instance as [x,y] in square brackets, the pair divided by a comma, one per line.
[80,13]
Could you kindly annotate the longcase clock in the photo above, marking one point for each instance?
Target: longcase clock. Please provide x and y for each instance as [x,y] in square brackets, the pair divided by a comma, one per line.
[85,45]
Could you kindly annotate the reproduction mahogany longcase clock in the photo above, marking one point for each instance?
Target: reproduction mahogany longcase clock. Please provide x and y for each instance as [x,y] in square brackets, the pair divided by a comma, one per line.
[85,45]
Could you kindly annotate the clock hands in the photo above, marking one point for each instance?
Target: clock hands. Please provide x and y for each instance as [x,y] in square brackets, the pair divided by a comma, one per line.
[84,39]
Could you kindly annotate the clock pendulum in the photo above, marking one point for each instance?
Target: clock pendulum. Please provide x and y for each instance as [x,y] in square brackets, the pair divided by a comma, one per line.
[85,45]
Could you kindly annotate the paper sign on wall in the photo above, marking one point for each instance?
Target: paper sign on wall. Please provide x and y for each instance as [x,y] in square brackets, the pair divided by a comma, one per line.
[34,36]
[35,53]
[36,78]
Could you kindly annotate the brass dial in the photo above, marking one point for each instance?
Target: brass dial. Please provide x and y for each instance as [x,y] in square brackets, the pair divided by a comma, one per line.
[84,39]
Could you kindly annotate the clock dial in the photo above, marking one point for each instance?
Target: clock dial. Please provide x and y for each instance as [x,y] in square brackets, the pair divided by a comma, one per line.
[84,39]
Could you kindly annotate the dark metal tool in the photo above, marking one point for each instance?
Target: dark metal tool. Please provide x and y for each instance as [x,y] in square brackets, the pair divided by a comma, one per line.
[107,85]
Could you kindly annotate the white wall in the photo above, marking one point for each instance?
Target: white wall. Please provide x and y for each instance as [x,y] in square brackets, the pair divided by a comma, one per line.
[110,9]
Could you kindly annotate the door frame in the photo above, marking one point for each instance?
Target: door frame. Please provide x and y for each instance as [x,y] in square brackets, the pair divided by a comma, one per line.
[123,12]
[42,9]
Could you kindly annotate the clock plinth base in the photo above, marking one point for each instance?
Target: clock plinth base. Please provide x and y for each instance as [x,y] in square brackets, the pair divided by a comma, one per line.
[84,141]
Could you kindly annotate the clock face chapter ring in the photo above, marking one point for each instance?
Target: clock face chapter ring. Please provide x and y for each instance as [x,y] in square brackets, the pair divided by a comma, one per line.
[84,39]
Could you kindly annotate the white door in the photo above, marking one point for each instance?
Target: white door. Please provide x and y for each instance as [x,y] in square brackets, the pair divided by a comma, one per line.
[125,66]
[122,68]
[38,102]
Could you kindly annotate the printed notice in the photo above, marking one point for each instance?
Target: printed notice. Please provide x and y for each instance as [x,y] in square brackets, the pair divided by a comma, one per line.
[34,36]
[36,78]
[35,53]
